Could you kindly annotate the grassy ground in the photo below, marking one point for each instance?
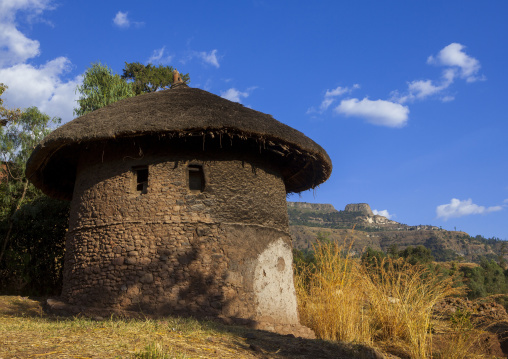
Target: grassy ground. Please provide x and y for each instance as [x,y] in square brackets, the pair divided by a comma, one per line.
[27,331]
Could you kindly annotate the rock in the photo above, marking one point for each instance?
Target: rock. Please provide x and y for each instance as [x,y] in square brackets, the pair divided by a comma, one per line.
[312,206]
[363,208]
[118,261]
[147,278]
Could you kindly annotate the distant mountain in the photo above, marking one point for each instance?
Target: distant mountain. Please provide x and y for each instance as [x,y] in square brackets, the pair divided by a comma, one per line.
[357,222]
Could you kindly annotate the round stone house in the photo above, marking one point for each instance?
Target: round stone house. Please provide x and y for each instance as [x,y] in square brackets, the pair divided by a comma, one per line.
[178,205]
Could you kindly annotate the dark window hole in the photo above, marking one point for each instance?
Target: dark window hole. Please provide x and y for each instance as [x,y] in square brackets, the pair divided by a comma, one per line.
[141,179]
[196,178]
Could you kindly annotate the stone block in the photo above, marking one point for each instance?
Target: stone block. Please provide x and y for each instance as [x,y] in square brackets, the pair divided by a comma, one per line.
[118,261]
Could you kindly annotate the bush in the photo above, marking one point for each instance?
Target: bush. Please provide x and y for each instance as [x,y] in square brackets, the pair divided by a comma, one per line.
[372,257]
[417,255]
[489,278]
[33,260]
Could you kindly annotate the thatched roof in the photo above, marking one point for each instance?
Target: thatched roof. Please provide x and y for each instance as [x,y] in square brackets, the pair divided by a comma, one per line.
[181,111]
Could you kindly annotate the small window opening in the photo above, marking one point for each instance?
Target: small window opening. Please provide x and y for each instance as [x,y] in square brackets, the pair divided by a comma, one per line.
[196,178]
[141,179]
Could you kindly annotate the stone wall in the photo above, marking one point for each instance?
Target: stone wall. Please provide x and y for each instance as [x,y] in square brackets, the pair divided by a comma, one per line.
[225,251]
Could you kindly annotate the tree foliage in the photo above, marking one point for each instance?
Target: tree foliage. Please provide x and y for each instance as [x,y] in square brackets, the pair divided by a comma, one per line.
[25,213]
[18,138]
[149,78]
[487,279]
[372,257]
[100,88]
[33,260]
[418,254]
[7,115]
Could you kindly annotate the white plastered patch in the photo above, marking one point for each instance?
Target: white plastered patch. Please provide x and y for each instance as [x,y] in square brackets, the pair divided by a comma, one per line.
[273,284]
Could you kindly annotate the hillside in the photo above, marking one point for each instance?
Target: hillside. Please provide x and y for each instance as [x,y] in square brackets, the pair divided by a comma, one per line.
[308,220]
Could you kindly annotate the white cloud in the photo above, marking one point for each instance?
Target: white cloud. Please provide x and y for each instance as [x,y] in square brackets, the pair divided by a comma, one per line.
[15,47]
[234,95]
[457,64]
[379,112]
[31,85]
[392,112]
[327,101]
[159,58]
[457,208]
[454,56]
[447,98]
[121,19]
[330,96]
[422,89]
[209,58]
[383,213]
[42,86]
[340,91]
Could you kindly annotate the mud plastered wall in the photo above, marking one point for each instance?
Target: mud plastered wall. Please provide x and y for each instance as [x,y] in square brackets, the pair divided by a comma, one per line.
[224,251]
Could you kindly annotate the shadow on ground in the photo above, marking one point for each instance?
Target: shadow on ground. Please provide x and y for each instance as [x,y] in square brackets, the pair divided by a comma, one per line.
[257,343]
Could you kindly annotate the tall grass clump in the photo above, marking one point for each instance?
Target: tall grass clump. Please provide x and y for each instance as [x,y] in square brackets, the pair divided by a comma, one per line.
[330,295]
[401,297]
[388,303]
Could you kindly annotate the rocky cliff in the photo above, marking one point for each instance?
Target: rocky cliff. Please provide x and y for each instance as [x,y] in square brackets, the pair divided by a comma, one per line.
[307,221]
[302,213]
[321,207]
[363,208]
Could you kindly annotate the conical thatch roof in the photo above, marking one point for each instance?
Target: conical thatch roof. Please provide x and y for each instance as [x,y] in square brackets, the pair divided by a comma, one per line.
[181,111]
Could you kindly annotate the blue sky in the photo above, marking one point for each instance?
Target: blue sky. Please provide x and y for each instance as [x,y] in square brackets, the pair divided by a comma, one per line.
[407,97]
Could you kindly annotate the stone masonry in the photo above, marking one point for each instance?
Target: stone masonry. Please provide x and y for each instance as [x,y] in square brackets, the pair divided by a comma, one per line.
[173,250]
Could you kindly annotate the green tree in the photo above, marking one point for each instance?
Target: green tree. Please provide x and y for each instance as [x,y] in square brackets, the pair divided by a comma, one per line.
[20,133]
[33,260]
[302,258]
[372,258]
[487,279]
[7,115]
[149,78]
[32,225]
[100,88]
[18,138]
[502,254]
[393,251]
[418,254]
[323,237]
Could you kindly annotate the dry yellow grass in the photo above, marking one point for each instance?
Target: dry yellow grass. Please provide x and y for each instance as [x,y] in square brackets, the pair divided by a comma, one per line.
[26,331]
[86,338]
[331,298]
[388,305]
[401,298]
